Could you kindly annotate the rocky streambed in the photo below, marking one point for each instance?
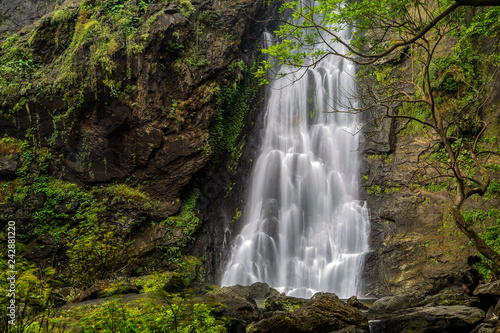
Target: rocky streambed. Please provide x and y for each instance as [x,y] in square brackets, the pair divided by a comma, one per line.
[261,309]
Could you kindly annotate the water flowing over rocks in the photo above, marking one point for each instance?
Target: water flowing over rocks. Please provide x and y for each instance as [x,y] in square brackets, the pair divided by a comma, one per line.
[305,229]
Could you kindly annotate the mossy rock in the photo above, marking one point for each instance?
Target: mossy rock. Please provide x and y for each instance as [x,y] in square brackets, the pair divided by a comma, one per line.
[283,303]
[104,289]
[323,313]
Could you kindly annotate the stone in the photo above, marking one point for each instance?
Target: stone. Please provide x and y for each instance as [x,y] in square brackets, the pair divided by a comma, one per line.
[283,303]
[449,299]
[354,302]
[321,314]
[260,290]
[238,302]
[390,304]
[8,166]
[491,290]
[484,328]
[454,319]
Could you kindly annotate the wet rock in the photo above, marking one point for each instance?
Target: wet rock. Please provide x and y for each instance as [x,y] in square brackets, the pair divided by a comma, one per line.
[454,319]
[390,304]
[448,300]
[260,290]
[238,302]
[283,303]
[8,166]
[354,302]
[322,313]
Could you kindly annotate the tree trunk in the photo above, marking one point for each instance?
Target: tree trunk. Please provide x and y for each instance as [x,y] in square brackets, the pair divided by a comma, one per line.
[478,242]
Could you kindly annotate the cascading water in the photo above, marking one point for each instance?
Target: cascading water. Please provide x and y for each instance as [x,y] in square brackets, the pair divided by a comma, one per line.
[304,230]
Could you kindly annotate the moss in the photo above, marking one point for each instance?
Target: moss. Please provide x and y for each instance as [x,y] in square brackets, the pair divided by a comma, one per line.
[374,189]
[10,146]
[187,218]
[237,216]
[125,193]
[232,99]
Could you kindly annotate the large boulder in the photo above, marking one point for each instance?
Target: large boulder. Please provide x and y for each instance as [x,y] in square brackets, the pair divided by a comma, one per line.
[390,304]
[323,313]
[456,319]
[283,303]
[240,300]
[448,300]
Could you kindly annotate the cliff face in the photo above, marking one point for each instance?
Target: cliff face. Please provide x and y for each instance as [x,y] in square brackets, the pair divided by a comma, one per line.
[14,15]
[126,101]
[416,247]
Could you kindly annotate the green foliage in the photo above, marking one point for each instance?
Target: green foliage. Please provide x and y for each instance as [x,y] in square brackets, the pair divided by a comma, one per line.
[32,296]
[95,254]
[125,193]
[491,236]
[232,100]
[9,146]
[151,317]
[237,216]
[186,7]
[494,188]
[374,189]
[187,218]
[437,187]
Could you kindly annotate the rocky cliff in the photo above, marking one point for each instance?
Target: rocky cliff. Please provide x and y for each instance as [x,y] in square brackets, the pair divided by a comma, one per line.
[108,110]
[416,247]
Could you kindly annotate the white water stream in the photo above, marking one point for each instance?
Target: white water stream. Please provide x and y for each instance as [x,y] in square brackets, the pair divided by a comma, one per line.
[304,229]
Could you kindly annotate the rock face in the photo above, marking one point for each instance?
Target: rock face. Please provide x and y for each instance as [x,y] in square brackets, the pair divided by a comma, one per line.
[321,314]
[416,248]
[17,14]
[430,320]
[131,95]
[488,290]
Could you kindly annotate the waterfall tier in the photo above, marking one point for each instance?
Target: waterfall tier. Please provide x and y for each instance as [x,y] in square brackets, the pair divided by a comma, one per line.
[304,229]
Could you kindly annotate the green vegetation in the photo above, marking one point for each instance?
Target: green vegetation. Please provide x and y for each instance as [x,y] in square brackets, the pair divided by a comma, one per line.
[232,99]
[491,235]
[187,218]
[150,317]
[158,310]
[95,254]
[237,216]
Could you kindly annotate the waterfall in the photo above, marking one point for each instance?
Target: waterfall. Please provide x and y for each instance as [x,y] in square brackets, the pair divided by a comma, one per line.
[304,228]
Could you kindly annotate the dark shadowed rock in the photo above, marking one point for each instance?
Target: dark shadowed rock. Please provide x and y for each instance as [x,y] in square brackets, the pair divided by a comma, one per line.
[238,302]
[322,314]
[354,302]
[390,304]
[454,319]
